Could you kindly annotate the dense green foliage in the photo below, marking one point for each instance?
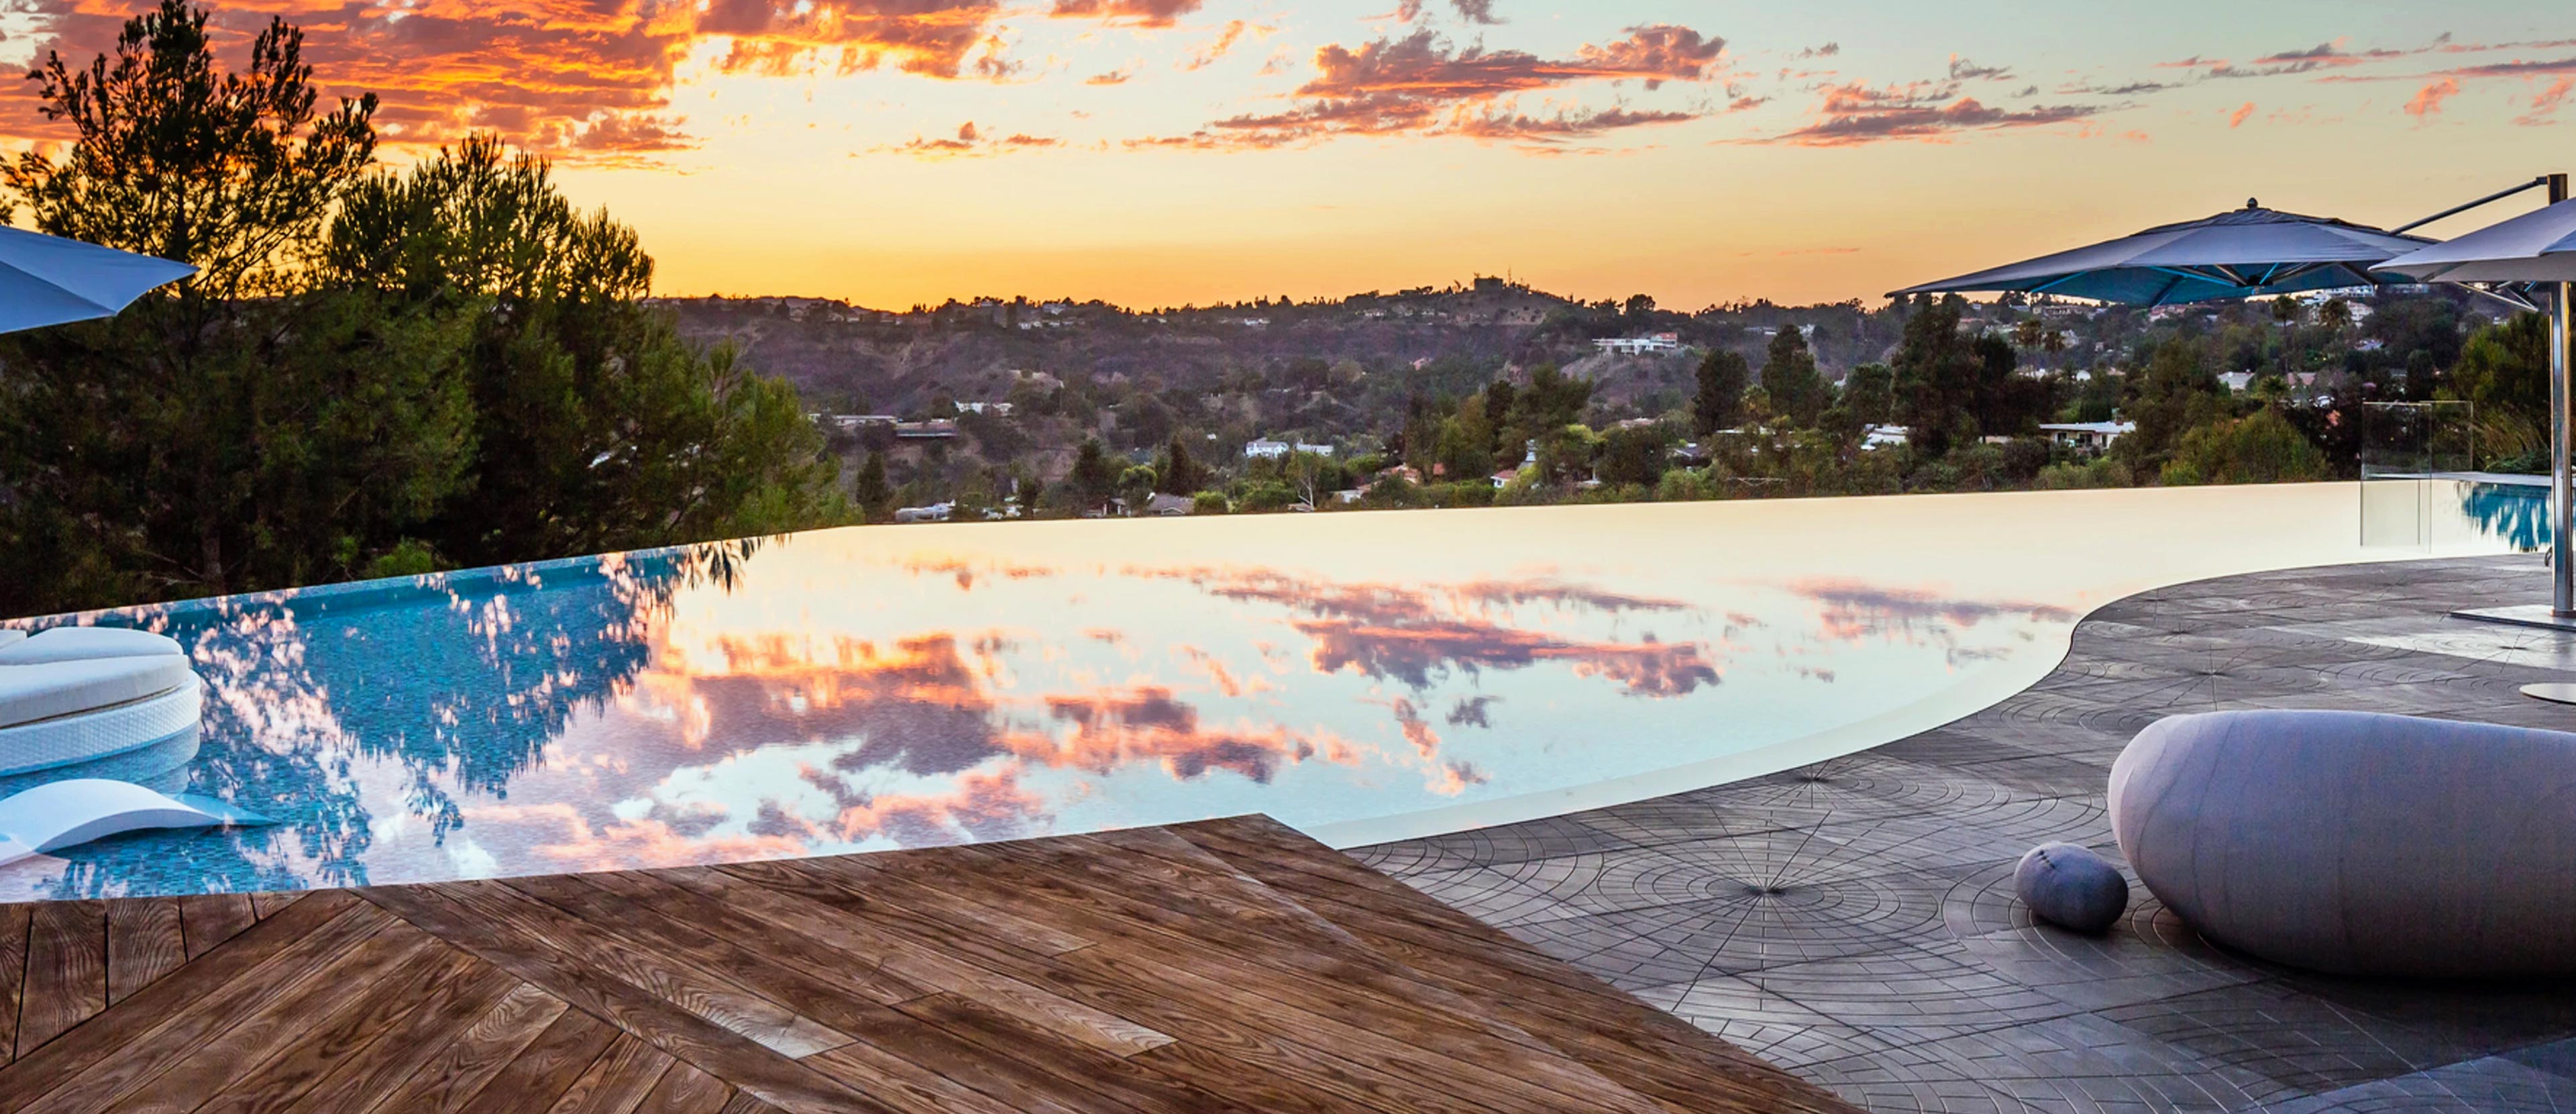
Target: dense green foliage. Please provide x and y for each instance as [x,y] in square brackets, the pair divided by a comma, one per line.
[371,374]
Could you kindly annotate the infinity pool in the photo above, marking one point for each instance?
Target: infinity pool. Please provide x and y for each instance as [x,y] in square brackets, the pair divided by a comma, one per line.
[1363,676]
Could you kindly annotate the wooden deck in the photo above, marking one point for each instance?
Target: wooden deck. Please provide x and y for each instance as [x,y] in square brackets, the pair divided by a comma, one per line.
[1226,966]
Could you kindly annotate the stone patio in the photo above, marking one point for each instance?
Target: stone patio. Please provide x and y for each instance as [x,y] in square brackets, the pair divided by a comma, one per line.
[1854,920]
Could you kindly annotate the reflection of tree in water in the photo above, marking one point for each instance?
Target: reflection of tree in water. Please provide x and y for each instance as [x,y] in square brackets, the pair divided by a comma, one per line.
[2519,515]
[462,681]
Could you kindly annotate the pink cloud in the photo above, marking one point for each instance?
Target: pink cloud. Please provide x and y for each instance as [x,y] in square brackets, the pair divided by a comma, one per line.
[2428,100]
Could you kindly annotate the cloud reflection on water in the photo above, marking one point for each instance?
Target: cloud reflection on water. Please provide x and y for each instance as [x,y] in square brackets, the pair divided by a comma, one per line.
[706,704]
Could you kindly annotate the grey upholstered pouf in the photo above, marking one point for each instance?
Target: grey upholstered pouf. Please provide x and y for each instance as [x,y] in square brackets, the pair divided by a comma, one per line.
[2071,887]
[2358,843]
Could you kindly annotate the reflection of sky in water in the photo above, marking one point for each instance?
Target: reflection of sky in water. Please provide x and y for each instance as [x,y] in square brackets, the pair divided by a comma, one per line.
[853,690]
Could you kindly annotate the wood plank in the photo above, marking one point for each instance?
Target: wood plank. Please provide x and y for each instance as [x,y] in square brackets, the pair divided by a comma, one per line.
[856,970]
[686,1090]
[824,998]
[15,920]
[1050,977]
[791,926]
[1356,1057]
[320,1012]
[617,1081]
[1068,1068]
[1647,1049]
[866,1064]
[427,1029]
[348,1036]
[270,903]
[143,944]
[547,1067]
[849,883]
[565,968]
[66,970]
[446,1082]
[883,1074]
[206,920]
[648,968]
[165,1020]
[1204,955]
[923,962]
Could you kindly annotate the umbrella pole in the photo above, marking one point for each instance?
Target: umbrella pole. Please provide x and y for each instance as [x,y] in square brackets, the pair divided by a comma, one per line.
[2562,501]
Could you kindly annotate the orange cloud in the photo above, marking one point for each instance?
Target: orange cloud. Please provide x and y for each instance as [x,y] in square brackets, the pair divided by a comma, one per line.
[1209,55]
[1421,84]
[583,81]
[1142,13]
[2236,119]
[2547,103]
[2428,100]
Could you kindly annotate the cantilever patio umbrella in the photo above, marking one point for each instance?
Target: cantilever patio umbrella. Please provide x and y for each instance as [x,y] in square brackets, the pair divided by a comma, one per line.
[2245,253]
[2538,247]
[48,280]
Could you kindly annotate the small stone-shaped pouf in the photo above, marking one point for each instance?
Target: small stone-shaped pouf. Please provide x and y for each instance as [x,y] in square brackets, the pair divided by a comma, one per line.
[2071,887]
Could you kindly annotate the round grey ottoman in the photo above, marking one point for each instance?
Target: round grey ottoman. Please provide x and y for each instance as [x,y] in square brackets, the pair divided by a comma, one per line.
[2071,887]
[2357,843]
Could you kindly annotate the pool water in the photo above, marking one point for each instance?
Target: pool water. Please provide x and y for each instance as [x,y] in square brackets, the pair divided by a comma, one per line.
[1362,676]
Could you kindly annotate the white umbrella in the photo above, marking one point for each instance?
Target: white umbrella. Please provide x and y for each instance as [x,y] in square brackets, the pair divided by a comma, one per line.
[2536,247]
[48,280]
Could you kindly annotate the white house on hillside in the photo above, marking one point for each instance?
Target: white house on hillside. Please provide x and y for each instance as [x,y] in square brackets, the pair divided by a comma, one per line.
[1633,346]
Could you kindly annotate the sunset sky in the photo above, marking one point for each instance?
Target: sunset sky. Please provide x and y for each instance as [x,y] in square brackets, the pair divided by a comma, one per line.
[1167,151]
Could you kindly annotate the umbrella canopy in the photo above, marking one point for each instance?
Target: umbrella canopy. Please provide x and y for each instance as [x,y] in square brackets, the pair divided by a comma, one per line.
[2538,246]
[48,280]
[2249,252]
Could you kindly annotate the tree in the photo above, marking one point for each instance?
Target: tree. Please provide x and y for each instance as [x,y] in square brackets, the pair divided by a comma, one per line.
[234,172]
[2504,374]
[598,427]
[1950,387]
[1136,484]
[1869,392]
[370,375]
[2173,394]
[2259,448]
[1179,474]
[1789,375]
[2335,315]
[1552,400]
[1719,401]
[1634,455]
[205,441]
[871,491]
[2028,333]
[1093,478]
[1566,453]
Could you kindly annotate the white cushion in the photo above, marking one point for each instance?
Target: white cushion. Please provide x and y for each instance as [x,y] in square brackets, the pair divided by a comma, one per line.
[34,692]
[84,643]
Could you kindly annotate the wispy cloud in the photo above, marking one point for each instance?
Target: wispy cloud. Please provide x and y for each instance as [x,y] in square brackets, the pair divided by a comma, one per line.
[1962,69]
[1141,13]
[969,141]
[1422,84]
[2428,100]
[2546,105]
[1857,113]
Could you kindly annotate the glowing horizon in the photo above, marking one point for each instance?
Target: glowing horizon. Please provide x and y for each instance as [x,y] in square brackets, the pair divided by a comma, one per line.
[1162,152]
